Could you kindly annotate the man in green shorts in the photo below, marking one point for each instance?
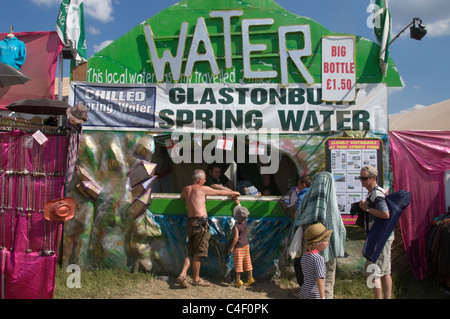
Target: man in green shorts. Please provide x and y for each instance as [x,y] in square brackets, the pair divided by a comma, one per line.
[197,227]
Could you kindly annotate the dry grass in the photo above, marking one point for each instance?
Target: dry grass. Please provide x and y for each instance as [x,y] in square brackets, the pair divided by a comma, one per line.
[120,284]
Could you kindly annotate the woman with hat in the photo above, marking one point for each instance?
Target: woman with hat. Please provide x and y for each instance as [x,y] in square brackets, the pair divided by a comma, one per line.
[313,264]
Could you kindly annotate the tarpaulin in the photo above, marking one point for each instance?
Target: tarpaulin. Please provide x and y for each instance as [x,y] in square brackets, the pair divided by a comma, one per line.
[43,49]
[419,160]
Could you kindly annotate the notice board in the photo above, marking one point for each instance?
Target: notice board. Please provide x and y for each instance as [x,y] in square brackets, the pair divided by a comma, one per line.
[344,158]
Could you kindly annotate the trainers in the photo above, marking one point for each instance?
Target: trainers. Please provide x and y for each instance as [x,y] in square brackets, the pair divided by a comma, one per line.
[238,284]
[250,281]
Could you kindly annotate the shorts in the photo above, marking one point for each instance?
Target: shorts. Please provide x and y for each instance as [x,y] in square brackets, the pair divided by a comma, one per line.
[382,266]
[198,238]
[241,259]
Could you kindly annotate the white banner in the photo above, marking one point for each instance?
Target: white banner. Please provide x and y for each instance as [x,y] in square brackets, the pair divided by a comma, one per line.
[229,107]
[338,68]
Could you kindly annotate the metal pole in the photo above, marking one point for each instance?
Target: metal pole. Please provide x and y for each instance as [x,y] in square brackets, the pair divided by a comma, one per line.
[396,37]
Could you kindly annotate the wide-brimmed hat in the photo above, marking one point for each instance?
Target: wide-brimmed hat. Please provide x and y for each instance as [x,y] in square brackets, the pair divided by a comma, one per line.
[77,113]
[240,214]
[59,210]
[317,233]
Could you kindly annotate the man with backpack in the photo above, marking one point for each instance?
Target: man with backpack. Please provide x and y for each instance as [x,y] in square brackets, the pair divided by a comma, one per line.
[375,204]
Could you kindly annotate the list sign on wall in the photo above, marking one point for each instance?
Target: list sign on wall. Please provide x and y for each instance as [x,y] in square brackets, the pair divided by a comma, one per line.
[338,69]
[344,159]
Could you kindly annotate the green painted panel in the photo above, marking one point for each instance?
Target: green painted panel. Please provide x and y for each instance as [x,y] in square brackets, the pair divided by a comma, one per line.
[258,209]
[127,59]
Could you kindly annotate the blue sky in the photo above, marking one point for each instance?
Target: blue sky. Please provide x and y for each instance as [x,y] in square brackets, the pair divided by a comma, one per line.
[423,65]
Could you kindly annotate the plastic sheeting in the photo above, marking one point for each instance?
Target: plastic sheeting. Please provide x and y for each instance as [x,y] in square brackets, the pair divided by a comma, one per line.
[419,160]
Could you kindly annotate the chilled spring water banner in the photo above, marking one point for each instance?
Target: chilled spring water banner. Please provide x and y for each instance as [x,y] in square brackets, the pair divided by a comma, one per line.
[234,108]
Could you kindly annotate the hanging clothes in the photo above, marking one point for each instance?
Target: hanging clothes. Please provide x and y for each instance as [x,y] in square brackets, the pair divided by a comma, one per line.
[13,52]
[438,250]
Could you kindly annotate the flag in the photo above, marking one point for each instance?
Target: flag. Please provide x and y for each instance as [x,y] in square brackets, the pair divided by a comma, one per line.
[382,26]
[255,148]
[70,26]
[225,143]
[173,148]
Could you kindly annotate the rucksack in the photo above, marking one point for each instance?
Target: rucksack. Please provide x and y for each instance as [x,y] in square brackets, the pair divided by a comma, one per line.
[383,228]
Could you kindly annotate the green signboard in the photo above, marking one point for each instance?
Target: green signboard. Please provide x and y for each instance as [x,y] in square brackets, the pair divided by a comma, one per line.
[228,41]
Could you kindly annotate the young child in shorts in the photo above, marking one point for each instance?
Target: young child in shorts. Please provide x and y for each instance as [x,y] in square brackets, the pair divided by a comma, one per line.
[313,264]
[240,246]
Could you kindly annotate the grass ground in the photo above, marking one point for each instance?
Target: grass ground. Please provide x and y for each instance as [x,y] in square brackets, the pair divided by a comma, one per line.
[121,284]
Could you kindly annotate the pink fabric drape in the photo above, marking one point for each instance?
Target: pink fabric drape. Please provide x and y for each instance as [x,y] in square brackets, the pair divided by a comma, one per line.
[40,64]
[31,175]
[419,160]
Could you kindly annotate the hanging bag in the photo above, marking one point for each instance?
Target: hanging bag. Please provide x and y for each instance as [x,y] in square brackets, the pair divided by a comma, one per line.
[296,246]
[383,228]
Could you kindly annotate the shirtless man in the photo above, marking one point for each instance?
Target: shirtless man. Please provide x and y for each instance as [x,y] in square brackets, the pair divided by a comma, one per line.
[197,226]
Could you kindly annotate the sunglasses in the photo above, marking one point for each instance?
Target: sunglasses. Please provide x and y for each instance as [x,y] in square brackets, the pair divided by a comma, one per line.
[361,178]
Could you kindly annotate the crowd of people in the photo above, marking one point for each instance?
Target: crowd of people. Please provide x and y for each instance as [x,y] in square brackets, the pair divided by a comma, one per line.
[313,207]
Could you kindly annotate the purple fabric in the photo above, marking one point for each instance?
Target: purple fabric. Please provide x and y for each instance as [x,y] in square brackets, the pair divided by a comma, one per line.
[27,273]
[419,160]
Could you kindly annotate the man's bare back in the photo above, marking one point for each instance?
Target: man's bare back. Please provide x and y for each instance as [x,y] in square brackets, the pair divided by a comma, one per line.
[195,197]
[195,200]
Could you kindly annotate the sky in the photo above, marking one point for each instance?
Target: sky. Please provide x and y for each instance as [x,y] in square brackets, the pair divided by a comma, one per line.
[423,65]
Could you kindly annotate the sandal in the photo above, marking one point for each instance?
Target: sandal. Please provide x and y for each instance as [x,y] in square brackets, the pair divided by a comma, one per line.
[201,282]
[182,281]
[250,282]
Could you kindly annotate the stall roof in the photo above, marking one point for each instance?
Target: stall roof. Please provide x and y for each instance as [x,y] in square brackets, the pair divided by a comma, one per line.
[433,117]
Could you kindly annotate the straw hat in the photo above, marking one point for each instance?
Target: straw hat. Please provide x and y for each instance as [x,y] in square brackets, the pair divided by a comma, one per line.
[240,213]
[317,233]
[59,210]
[77,113]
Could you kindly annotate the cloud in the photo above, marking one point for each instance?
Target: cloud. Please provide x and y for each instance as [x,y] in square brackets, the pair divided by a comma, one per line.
[93,30]
[46,2]
[412,108]
[99,9]
[102,45]
[435,15]
[439,28]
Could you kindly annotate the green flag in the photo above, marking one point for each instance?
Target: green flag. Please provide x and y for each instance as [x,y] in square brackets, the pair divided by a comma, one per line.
[382,26]
[70,26]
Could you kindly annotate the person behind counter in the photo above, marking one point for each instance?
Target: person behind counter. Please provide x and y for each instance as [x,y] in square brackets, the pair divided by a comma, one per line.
[197,226]
[216,179]
[270,187]
[291,207]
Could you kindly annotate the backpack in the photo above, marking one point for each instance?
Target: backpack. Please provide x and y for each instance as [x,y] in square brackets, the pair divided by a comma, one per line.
[383,228]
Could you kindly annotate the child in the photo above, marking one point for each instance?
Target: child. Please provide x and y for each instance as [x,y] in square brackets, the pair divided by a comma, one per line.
[313,265]
[240,246]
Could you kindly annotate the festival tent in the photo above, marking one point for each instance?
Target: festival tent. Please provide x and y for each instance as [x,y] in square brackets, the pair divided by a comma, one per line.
[419,143]
[433,117]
